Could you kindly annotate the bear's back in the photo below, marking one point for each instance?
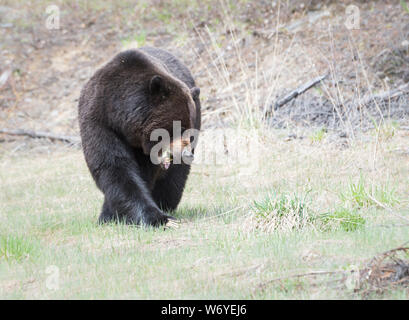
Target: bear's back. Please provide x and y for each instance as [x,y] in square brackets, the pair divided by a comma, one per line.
[172,64]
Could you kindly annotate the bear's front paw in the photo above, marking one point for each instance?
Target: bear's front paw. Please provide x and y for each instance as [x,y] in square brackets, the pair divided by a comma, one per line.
[154,217]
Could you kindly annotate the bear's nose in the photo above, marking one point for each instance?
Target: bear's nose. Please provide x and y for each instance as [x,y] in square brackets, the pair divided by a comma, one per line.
[187,156]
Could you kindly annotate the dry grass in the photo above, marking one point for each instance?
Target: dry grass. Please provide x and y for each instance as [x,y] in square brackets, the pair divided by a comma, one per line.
[280,213]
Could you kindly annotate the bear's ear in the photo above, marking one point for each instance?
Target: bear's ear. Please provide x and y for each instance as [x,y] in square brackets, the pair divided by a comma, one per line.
[156,85]
[195,91]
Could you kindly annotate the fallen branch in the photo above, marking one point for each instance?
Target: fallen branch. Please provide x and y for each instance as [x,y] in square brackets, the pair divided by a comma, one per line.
[295,93]
[40,134]
[264,285]
[386,95]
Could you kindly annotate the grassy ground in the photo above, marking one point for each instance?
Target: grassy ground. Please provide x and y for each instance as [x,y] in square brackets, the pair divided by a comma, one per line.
[51,246]
[323,203]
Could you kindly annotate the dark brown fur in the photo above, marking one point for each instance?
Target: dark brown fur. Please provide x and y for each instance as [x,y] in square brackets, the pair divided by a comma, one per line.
[137,92]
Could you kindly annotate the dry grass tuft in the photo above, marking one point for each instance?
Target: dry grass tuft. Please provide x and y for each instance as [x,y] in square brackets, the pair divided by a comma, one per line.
[279,212]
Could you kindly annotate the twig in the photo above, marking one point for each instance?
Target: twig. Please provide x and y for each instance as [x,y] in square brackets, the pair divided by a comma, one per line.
[295,93]
[221,214]
[239,272]
[387,208]
[314,273]
[41,134]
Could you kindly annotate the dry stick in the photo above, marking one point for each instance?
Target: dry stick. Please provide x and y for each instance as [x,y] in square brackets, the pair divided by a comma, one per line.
[386,95]
[314,273]
[387,208]
[221,214]
[295,93]
[41,134]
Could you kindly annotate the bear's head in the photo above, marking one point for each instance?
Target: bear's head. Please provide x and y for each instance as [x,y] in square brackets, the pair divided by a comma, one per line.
[140,95]
[178,150]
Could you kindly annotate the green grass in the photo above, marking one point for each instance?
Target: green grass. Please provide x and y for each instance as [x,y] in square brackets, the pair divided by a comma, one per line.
[134,41]
[361,194]
[48,221]
[343,218]
[17,248]
[281,212]
[404,6]
[319,135]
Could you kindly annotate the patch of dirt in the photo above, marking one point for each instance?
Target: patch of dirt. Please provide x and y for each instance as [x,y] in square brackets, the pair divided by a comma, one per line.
[393,62]
[345,118]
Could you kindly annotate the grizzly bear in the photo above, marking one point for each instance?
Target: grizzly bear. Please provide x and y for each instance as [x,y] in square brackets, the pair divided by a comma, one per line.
[135,93]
